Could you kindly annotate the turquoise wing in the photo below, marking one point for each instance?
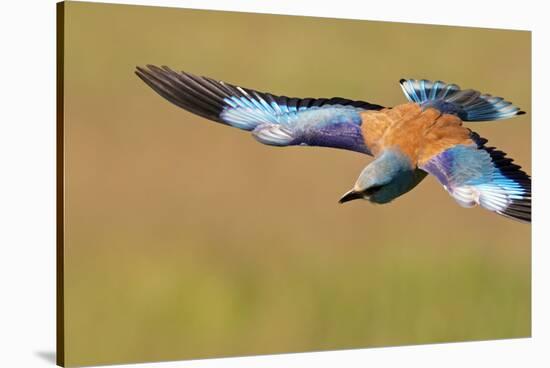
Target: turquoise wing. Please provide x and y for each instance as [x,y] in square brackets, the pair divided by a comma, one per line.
[273,120]
[467,104]
[485,176]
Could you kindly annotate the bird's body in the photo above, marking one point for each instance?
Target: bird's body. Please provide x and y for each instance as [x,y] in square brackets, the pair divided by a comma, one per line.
[419,133]
[406,137]
[409,141]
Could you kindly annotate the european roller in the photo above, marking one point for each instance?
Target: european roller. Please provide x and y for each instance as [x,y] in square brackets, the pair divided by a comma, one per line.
[409,141]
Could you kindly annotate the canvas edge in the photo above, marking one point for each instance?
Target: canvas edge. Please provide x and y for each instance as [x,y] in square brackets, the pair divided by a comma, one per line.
[60,187]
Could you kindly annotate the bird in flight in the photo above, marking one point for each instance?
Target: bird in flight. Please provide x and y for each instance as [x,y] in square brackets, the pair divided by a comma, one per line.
[409,141]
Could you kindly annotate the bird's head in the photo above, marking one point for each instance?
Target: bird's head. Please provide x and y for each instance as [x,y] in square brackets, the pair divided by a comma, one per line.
[385,179]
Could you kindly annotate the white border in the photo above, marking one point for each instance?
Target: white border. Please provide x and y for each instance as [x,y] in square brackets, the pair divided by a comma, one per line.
[27,181]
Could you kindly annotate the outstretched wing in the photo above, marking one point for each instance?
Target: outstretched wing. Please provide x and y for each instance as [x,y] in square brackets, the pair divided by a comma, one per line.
[273,120]
[467,104]
[477,174]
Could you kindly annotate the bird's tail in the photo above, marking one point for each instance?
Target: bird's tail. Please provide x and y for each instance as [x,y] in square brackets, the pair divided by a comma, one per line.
[468,104]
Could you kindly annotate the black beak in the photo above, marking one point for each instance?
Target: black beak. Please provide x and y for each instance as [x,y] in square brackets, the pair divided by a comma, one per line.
[350,196]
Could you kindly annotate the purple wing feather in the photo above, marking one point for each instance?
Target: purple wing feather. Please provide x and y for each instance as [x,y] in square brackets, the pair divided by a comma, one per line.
[480,175]
[273,120]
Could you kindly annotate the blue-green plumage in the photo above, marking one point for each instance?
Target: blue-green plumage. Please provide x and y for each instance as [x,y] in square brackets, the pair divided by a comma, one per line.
[471,172]
[469,104]
[335,126]
[479,174]
[389,176]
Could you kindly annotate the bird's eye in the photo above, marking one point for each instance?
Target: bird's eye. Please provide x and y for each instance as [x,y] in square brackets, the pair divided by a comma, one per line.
[373,189]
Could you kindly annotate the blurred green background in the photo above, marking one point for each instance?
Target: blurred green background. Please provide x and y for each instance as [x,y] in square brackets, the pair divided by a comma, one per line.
[188,239]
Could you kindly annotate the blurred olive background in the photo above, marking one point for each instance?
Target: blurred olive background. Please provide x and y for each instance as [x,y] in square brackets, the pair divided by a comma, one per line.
[188,239]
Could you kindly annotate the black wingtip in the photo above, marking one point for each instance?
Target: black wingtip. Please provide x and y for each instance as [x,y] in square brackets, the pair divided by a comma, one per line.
[142,71]
[402,80]
[521,112]
[180,90]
